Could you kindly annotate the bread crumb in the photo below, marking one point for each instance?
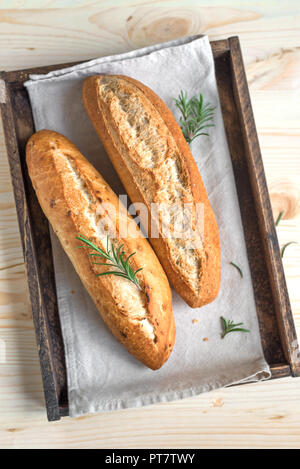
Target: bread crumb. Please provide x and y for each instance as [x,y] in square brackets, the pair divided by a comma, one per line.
[195,321]
[205,339]
[218,403]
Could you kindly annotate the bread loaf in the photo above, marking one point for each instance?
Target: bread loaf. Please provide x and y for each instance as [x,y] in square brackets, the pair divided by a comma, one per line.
[75,199]
[155,165]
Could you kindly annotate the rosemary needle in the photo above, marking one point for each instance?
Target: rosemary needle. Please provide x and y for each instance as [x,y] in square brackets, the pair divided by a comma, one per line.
[116,259]
[279,218]
[238,268]
[285,246]
[229,326]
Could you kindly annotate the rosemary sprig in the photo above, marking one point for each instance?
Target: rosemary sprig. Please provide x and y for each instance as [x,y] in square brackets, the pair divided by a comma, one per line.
[229,326]
[196,116]
[279,218]
[238,268]
[285,246]
[116,259]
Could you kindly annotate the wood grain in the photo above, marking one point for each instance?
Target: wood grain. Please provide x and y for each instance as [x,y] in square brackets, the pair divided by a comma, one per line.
[258,415]
[270,292]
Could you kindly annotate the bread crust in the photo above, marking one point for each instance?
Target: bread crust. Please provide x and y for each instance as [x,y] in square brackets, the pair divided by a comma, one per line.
[210,271]
[57,168]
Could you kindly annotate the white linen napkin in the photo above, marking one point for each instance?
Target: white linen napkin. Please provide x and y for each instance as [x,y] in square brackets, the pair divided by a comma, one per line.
[101,374]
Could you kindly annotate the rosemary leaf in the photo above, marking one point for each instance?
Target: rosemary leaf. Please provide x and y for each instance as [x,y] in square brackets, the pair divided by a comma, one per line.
[238,268]
[279,218]
[285,246]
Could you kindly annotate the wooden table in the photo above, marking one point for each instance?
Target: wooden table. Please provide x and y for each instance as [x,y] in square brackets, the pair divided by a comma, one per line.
[43,32]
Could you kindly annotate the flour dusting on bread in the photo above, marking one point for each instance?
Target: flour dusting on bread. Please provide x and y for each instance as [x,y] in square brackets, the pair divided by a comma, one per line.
[130,299]
[155,163]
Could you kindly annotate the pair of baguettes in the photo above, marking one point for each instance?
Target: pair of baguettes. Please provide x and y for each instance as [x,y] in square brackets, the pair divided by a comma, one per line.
[155,165]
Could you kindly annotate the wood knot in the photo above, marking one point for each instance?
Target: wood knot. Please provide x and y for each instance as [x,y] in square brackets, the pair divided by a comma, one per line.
[148,26]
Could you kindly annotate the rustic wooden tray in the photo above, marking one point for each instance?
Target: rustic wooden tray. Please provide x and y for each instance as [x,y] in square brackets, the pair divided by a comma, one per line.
[273,308]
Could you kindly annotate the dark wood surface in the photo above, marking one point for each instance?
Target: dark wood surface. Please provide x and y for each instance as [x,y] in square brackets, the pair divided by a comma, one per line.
[272,302]
[275,285]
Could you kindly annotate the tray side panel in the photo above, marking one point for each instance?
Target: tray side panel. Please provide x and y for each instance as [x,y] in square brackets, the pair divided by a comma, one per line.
[265,221]
[18,126]
[263,295]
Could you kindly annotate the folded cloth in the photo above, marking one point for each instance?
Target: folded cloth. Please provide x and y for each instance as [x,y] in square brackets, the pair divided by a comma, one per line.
[101,374]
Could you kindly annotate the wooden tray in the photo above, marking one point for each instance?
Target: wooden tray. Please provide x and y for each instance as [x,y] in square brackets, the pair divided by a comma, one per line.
[273,308]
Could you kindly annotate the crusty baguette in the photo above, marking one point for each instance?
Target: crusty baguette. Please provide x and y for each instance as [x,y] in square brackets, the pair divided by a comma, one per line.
[73,197]
[155,164]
